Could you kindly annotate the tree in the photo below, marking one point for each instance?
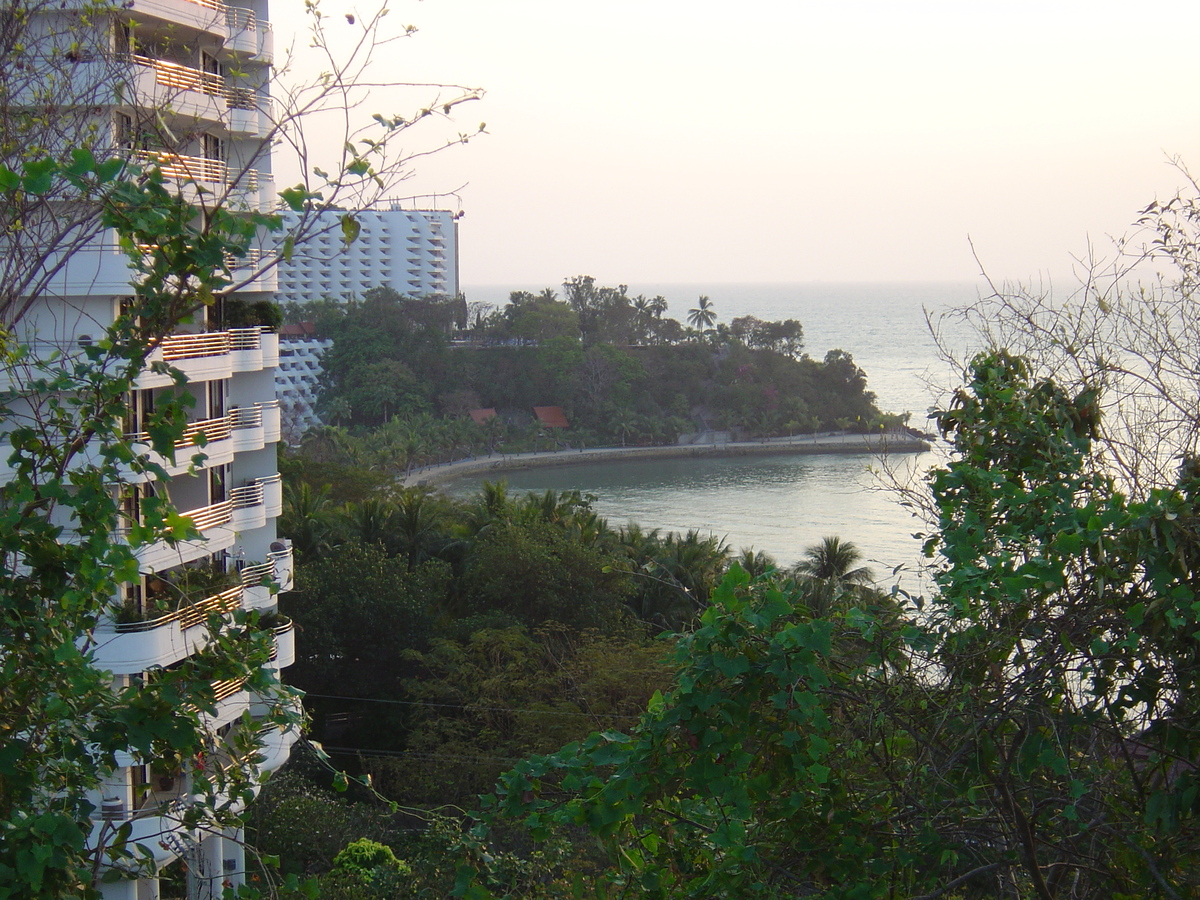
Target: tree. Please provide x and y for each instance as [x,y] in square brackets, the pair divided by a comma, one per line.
[702,316]
[1032,735]
[834,560]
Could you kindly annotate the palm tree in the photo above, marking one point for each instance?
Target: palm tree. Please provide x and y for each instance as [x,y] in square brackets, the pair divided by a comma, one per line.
[832,577]
[703,315]
[369,522]
[307,519]
[755,563]
[416,524]
[834,560]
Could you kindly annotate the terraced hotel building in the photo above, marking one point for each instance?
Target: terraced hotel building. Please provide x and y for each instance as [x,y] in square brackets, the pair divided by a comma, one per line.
[198,72]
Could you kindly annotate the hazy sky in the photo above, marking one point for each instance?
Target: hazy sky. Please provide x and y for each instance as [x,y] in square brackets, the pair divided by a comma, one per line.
[786,140]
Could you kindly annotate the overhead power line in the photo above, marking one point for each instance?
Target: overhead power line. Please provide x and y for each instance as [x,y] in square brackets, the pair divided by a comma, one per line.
[461,708]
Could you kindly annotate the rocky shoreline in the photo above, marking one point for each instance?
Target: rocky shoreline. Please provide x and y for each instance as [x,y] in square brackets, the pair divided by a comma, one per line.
[829,443]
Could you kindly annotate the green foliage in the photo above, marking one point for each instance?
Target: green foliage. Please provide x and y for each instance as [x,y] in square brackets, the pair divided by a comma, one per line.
[369,862]
[536,573]
[239,313]
[358,610]
[1031,735]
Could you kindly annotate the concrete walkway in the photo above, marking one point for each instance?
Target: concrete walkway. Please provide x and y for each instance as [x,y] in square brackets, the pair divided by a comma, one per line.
[823,443]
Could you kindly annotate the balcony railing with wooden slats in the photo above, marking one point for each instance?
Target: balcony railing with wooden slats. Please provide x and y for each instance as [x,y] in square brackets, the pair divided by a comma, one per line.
[223,690]
[194,346]
[180,77]
[210,516]
[195,169]
[212,429]
[193,614]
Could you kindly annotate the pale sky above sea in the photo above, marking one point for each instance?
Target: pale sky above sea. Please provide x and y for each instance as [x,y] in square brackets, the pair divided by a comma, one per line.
[648,141]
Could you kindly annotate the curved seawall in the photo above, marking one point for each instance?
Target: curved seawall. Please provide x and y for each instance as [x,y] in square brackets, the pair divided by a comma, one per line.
[834,443]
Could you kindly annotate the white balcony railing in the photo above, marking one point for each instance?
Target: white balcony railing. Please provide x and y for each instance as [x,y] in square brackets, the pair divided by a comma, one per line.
[210,516]
[180,77]
[245,417]
[247,496]
[193,346]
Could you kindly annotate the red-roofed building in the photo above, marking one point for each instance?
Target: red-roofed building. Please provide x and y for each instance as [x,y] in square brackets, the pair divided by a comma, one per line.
[551,416]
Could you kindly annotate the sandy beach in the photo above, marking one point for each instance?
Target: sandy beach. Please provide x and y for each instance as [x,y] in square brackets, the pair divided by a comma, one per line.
[824,443]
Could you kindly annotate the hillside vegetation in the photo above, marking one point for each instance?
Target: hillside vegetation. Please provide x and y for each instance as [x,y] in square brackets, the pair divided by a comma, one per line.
[621,370]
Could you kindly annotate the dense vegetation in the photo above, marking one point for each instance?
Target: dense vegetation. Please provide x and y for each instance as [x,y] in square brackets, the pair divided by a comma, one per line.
[1031,733]
[441,641]
[621,371]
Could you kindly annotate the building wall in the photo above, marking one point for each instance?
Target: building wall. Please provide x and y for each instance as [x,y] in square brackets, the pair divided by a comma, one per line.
[414,252]
[199,72]
[297,384]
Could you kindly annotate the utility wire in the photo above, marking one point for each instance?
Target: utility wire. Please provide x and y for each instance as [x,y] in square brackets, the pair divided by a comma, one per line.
[508,709]
[417,754]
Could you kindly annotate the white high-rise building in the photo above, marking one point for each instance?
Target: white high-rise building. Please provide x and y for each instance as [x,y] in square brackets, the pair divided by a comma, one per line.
[412,251]
[196,70]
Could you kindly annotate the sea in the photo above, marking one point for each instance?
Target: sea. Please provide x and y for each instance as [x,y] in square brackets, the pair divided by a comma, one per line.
[783,504]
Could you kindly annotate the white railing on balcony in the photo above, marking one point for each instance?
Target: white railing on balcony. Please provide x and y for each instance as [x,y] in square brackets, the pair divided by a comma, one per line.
[194,346]
[210,516]
[247,496]
[252,576]
[180,77]
[178,167]
[245,338]
[269,479]
[192,614]
[245,417]
[209,4]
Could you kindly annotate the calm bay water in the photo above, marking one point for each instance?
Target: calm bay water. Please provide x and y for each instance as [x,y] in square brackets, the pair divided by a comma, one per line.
[783,504]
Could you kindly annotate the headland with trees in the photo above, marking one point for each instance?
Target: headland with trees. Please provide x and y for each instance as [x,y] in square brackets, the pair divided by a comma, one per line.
[412,371]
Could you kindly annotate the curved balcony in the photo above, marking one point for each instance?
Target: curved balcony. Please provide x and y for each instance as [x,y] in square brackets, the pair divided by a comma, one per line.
[272,421]
[207,16]
[285,645]
[207,177]
[211,355]
[216,533]
[211,437]
[248,511]
[272,486]
[246,428]
[124,648]
[270,348]
[257,594]
[284,567]
[200,357]
[249,35]
[276,747]
[245,345]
